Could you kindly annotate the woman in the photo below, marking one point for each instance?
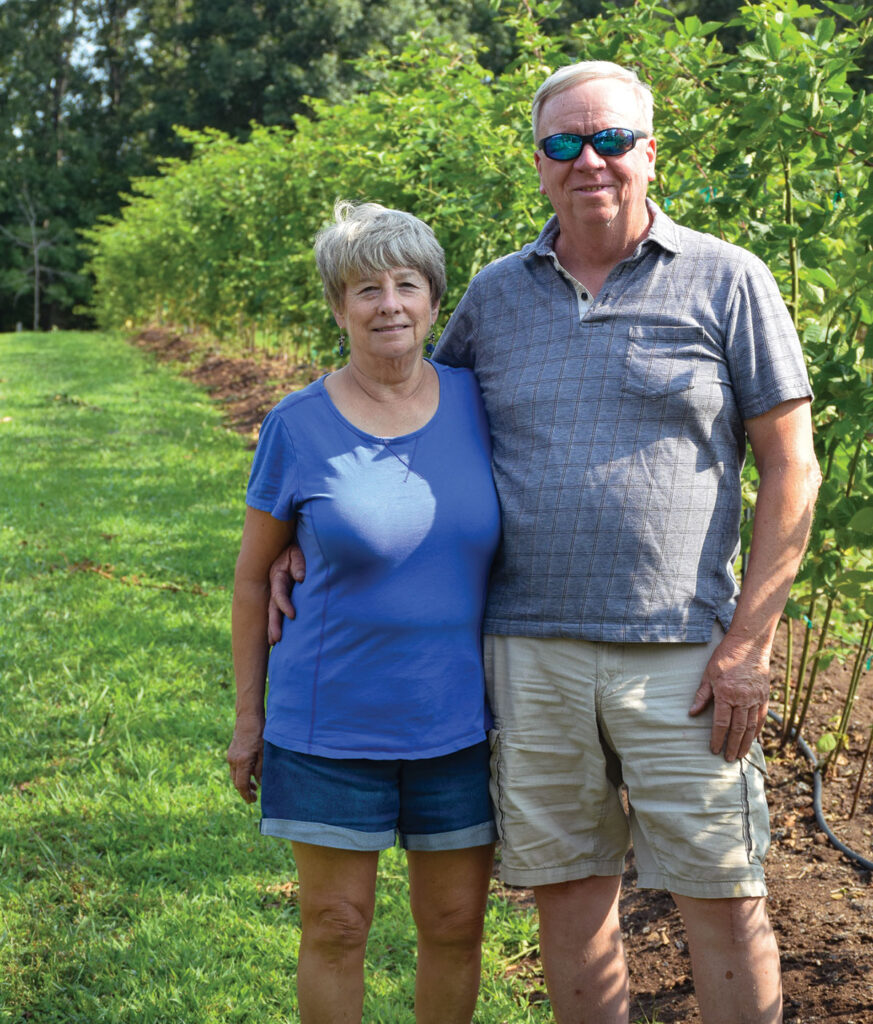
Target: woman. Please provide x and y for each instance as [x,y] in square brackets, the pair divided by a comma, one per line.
[376,719]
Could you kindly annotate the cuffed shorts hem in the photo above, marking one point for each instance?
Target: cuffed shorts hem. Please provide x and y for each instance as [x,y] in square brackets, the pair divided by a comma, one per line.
[334,836]
[338,838]
[476,835]
[710,890]
[529,878]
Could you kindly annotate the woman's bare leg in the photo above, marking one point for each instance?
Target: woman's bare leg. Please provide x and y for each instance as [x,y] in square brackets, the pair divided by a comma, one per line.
[448,891]
[337,897]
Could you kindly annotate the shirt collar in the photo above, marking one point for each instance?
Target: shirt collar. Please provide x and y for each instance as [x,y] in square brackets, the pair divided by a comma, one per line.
[663,233]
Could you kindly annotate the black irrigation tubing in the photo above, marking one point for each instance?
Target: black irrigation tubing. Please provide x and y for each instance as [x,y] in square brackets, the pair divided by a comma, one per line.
[816,800]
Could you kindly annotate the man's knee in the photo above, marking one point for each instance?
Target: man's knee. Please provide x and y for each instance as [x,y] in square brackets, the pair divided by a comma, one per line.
[596,892]
[580,911]
[734,921]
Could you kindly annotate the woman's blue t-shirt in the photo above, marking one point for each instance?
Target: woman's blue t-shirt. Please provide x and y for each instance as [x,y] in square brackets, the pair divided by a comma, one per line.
[383,659]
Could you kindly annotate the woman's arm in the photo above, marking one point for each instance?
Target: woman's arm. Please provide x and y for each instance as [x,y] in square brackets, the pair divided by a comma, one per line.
[263,538]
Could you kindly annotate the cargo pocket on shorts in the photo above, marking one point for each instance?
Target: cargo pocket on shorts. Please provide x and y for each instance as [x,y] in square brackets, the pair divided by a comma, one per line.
[756,815]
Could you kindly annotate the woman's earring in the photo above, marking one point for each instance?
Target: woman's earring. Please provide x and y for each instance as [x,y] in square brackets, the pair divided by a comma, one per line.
[431,343]
[341,347]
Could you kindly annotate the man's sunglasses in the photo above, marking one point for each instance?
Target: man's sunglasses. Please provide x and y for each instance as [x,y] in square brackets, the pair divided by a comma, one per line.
[609,142]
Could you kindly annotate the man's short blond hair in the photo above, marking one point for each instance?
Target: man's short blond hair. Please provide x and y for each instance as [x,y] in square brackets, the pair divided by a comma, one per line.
[585,71]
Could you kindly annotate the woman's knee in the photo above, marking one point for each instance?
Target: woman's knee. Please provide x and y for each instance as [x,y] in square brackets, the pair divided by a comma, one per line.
[448,895]
[336,927]
[457,925]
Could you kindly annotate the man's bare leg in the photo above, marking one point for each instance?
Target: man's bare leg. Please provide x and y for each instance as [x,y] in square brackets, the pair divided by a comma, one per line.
[734,958]
[582,952]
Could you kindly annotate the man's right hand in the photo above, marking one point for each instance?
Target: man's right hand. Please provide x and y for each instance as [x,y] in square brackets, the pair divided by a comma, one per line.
[288,569]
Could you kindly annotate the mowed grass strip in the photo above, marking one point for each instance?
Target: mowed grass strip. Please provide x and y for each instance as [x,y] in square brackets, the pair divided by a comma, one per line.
[133,884]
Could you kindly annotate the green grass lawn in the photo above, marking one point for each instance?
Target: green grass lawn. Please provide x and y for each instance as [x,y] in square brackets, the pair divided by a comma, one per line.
[133,883]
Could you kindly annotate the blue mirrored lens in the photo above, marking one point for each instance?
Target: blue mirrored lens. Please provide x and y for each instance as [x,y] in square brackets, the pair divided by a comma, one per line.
[613,141]
[563,147]
[609,142]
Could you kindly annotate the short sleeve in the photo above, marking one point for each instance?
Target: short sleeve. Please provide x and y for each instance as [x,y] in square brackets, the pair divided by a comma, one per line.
[456,345]
[763,350]
[273,482]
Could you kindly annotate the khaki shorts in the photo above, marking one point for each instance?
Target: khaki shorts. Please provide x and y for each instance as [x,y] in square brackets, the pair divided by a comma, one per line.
[573,722]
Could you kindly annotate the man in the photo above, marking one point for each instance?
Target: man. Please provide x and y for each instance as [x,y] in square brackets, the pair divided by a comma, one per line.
[623,362]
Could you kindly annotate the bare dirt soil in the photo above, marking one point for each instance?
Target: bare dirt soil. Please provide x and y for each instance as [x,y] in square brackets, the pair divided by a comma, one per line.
[821,900]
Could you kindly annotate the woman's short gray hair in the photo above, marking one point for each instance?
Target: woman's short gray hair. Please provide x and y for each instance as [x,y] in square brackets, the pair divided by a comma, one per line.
[367,238]
[584,71]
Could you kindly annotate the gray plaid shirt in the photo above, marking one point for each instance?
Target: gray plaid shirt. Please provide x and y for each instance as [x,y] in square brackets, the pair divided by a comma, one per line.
[618,430]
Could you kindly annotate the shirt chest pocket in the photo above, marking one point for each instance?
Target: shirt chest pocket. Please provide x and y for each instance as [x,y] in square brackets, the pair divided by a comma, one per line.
[662,360]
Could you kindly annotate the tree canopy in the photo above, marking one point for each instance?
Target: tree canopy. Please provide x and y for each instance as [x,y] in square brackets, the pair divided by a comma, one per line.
[91,92]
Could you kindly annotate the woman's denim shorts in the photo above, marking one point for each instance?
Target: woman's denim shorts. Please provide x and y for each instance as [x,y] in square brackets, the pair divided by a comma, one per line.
[436,803]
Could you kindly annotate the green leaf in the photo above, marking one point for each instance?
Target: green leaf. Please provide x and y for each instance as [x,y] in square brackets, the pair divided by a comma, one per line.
[774,45]
[862,521]
[754,51]
[824,30]
[860,576]
[820,276]
[824,658]
[813,334]
[847,11]
[794,610]
[826,743]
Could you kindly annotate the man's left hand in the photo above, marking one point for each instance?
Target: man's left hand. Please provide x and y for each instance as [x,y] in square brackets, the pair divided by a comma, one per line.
[737,681]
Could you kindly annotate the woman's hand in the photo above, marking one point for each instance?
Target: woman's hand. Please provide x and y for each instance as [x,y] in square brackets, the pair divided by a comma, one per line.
[245,755]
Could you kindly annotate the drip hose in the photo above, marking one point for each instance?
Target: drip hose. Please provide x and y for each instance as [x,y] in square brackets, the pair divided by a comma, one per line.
[804,748]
